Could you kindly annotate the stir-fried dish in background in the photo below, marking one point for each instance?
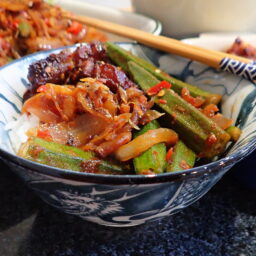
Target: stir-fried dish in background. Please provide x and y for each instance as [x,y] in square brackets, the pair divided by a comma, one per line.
[242,48]
[27,26]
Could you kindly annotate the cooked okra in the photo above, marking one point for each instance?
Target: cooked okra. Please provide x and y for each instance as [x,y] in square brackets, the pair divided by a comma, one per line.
[127,119]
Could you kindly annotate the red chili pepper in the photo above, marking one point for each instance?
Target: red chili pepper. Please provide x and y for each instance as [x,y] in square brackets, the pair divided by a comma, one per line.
[211,139]
[15,24]
[210,110]
[155,153]
[42,88]
[196,102]
[169,154]
[199,102]
[158,87]
[75,28]
[162,101]
[43,134]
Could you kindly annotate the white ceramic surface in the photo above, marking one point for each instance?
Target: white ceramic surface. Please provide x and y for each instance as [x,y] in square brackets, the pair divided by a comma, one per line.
[121,4]
[220,41]
[187,17]
[114,15]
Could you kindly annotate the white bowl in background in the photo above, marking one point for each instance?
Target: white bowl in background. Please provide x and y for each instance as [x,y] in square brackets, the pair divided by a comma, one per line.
[186,17]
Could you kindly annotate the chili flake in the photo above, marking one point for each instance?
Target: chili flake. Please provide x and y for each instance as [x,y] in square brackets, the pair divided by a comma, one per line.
[162,101]
[169,154]
[158,87]
[211,139]
[196,102]
[75,28]
[210,110]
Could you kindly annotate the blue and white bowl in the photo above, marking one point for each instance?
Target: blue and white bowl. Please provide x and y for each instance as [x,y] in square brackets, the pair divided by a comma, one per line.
[130,200]
[245,171]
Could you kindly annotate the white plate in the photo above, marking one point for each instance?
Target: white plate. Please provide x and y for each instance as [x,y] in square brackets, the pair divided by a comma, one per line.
[220,41]
[114,15]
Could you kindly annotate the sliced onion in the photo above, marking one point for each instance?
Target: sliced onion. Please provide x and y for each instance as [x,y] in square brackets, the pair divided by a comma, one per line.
[42,107]
[84,127]
[144,142]
[150,115]
[108,147]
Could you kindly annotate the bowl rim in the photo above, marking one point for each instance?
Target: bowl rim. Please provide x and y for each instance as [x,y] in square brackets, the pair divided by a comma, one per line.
[155,30]
[205,169]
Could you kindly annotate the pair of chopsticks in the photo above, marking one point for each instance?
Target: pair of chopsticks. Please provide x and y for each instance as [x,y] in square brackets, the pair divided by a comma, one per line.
[219,60]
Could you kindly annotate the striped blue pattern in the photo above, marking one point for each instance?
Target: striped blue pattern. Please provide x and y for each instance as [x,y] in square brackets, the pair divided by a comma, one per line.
[247,71]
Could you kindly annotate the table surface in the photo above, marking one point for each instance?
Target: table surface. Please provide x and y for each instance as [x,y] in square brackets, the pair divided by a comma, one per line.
[222,223]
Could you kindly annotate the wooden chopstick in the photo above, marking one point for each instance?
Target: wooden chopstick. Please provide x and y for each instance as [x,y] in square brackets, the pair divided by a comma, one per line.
[223,61]
[206,56]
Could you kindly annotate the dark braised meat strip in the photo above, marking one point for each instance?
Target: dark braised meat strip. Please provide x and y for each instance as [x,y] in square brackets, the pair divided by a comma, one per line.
[89,60]
[53,69]
[56,68]
[107,73]
[96,50]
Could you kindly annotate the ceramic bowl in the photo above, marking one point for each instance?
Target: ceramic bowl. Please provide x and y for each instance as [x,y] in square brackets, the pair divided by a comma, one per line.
[130,200]
[186,17]
[245,171]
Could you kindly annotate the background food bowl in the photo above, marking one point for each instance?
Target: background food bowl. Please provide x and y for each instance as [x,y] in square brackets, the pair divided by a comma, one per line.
[131,199]
[185,17]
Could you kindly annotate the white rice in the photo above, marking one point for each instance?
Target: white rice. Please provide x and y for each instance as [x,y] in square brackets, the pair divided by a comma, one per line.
[17,129]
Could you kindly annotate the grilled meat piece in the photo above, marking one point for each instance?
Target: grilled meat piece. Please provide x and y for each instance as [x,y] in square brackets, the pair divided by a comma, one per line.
[88,60]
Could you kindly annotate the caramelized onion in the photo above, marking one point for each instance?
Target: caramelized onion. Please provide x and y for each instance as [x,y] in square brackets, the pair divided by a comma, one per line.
[150,115]
[84,127]
[144,142]
[42,107]
[108,147]
[89,115]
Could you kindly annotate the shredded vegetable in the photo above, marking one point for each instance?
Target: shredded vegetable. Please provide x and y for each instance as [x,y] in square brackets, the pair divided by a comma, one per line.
[28,26]
[144,142]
